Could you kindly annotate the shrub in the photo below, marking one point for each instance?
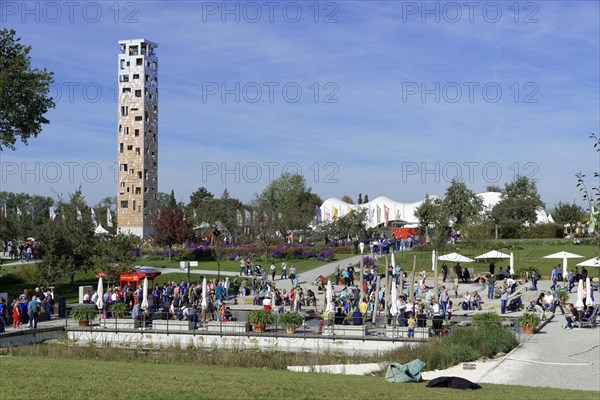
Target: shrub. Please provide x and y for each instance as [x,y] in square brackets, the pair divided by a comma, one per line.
[543,231]
[84,313]
[291,319]
[119,309]
[487,320]
[11,279]
[261,317]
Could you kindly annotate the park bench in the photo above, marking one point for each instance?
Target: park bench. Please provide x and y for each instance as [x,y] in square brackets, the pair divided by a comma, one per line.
[345,330]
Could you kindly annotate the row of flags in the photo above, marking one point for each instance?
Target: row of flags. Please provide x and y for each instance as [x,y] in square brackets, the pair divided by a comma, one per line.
[52,211]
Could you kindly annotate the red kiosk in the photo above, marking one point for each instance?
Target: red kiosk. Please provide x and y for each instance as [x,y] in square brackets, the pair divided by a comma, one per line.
[136,276]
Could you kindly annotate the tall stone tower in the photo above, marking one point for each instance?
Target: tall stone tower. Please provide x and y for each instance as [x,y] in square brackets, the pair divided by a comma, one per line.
[138,137]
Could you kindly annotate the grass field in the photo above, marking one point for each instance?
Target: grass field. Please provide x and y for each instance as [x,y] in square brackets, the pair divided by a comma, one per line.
[526,255]
[302,265]
[61,378]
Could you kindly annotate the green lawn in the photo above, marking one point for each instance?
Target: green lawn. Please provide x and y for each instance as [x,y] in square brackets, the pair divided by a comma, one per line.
[64,378]
[531,255]
[302,265]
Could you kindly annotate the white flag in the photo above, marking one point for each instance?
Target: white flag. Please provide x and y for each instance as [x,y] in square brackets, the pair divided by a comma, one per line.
[94,217]
[79,216]
[108,218]
[52,211]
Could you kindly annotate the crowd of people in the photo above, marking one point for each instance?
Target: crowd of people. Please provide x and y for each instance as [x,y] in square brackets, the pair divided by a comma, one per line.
[18,250]
[26,309]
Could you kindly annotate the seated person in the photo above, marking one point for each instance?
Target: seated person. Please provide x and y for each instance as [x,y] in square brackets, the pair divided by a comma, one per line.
[539,306]
[466,275]
[339,317]
[476,301]
[571,316]
[227,315]
[192,314]
[267,303]
[548,301]
[401,320]
[310,298]
[357,318]
[467,302]
[589,312]
[320,286]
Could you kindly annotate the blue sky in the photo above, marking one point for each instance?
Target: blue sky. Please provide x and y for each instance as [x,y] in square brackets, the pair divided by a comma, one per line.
[388,118]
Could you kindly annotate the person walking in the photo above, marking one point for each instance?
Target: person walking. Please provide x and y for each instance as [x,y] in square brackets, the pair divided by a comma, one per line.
[491,284]
[273,271]
[16,313]
[444,272]
[503,298]
[284,270]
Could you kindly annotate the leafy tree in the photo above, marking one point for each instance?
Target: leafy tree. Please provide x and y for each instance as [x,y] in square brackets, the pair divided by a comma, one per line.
[347,199]
[461,203]
[24,92]
[592,196]
[366,198]
[426,213]
[172,203]
[114,255]
[353,224]
[171,228]
[67,244]
[200,196]
[162,200]
[287,203]
[493,188]
[360,199]
[565,213]
[518,206]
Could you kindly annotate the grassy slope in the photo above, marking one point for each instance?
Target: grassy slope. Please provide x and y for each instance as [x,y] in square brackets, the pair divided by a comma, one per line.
[140,380]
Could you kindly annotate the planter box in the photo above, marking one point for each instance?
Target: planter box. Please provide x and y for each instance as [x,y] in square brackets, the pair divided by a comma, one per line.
[345,330]
[118,323]
[173,325]
[226,327]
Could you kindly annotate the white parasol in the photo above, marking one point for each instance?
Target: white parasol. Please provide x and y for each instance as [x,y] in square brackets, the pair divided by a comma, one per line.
[204,303]
[433,260]
[100,300]
[564,255]
[393,298]
[145,294]
[493,254]
[588,292]
[592,262]
[455,257]
[579,302]
[329,294]
[512,264]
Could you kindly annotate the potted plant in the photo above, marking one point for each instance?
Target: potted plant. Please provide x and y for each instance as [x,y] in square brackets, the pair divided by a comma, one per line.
[84,314]
[291,321]
[260,319]
[119,309]
[529,321]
